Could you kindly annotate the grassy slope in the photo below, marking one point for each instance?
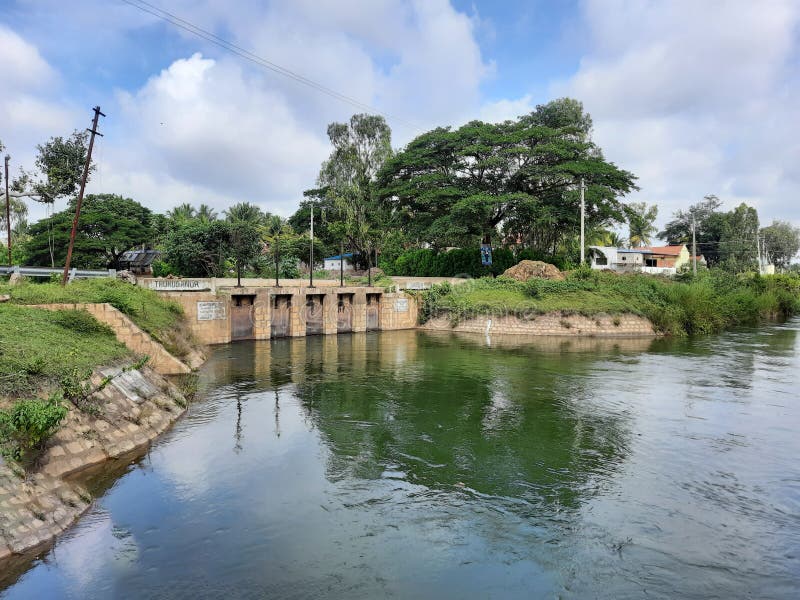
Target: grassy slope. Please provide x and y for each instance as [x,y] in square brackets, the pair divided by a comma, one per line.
[710,303]
[157,316]
[37,347]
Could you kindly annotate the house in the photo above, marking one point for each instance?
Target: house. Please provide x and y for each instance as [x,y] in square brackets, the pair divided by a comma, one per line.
[628,260]
[673,257]
[139,262]
[334,263]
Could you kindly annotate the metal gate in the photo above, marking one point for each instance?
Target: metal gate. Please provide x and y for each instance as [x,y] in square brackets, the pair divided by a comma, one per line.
[373,312]
[344,313]
[313,314]
[242,317]
[281,324]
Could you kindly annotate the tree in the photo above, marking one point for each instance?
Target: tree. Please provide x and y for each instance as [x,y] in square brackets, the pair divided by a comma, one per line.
[198,248]
[282,247]
[109,225]
[244,222]
[738,246]
[206,213]
[709,224]
[182,213]
[348,178]
[454,187]
[59,168]
[641,227]
[781,243]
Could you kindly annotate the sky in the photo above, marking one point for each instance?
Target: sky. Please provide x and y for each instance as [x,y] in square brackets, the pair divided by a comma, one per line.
[694,98]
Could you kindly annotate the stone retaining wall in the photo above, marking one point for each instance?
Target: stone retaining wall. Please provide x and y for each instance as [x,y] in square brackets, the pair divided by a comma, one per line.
[130,334]
[602,325]
[133,410]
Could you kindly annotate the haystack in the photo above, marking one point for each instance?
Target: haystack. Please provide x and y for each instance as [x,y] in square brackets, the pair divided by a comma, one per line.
[526,269]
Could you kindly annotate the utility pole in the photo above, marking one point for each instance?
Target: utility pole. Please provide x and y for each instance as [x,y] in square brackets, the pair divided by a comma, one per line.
[341,265]
[85,176]
[369,267]
[8,212]
[311,266]
[694,247]
[583,218]
[758,251]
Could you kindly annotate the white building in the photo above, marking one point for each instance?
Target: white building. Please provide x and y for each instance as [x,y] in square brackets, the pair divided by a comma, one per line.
[627,260]
[334,263]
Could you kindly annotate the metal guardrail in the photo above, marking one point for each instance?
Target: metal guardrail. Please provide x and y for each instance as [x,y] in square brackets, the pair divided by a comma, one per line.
[48,272]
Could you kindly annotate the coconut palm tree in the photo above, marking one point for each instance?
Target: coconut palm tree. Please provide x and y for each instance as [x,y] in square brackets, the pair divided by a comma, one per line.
[181,213]
[206,214]
[641,223]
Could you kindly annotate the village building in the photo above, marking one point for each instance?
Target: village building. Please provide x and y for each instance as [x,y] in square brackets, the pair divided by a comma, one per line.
[334,263]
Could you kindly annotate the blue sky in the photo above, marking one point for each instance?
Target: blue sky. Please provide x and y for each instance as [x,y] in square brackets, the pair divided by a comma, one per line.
[694,98]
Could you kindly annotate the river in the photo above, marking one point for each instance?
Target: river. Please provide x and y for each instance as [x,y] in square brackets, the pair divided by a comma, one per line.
[423,465]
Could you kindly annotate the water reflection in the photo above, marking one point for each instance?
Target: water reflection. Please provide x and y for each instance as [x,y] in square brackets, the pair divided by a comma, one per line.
[414,464]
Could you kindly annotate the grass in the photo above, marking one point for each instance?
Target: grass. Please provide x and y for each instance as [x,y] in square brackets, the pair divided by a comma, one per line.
[154,314]
[39,347]
[708,303]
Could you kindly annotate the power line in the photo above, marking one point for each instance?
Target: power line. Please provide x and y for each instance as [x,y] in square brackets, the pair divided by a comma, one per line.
[254,58]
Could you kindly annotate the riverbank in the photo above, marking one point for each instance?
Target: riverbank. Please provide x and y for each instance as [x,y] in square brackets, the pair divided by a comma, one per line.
[79,385]
[709,303]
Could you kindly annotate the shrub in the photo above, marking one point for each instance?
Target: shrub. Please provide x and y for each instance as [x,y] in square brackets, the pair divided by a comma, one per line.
[27,425]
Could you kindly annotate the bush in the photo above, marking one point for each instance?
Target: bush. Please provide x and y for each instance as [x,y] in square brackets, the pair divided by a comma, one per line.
[27,425]
[423,262]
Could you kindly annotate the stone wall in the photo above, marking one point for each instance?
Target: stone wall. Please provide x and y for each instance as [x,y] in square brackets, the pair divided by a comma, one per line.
[397,310]
[132,410]
[622,325]
[127,332]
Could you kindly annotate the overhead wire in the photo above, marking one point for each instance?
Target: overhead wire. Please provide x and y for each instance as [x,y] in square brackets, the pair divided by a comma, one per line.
[181,23]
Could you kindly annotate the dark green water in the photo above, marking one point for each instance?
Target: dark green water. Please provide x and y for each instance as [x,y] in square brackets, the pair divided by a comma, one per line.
[415,465]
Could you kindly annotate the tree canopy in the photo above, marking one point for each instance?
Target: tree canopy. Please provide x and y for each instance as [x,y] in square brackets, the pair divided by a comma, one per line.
[453,187]
[109,225]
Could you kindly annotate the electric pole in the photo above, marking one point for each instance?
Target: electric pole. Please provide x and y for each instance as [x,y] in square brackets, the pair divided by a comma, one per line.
[758,251]
[85,176]
[694,247]
[8,212]
[341,265]
[583,218]
[311,266]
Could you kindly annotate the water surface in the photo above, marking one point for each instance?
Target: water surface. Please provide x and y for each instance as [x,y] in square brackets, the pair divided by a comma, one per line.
[420,465]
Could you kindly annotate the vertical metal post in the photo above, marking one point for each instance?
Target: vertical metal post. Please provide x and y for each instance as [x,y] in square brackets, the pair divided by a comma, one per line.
[85,176]
[583,218]
[8,212]
[694,247]
[341,265]
[311,265]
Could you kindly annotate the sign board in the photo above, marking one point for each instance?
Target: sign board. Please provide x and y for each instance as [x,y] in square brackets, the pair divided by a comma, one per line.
[210,311]
[401,305]
[486,255]
[179,285]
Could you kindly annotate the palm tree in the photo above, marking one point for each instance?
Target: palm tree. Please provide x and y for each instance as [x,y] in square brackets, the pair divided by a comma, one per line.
[206,214]
[641,219]
[244,211]
[181,213]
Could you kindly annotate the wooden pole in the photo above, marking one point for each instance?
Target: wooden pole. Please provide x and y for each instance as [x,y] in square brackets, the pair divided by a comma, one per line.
[85,176]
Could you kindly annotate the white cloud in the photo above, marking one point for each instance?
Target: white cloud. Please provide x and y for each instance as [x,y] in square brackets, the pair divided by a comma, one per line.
[694,98]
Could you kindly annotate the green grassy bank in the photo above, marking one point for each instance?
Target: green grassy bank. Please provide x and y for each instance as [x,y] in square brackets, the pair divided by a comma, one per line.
[710,302]
[157,316]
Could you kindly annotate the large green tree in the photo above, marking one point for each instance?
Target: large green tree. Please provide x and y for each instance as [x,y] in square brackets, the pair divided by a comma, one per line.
[454,187]
[781,243]
[348,179]
[109,225]
[244,222]
[198,248]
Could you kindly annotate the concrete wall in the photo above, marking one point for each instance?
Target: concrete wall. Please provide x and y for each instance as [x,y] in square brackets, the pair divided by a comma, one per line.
[209,314]
[626,325]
